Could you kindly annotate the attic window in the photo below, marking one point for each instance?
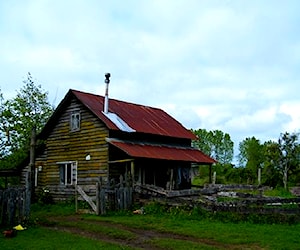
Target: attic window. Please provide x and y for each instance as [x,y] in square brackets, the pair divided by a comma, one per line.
[75,121]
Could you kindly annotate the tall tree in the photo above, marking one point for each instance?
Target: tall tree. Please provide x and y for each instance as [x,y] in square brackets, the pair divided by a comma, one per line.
[222,147]
[204,141]
[272,161]
[251,156]
[3,130]
[30,108]
[289,155]
[216,144]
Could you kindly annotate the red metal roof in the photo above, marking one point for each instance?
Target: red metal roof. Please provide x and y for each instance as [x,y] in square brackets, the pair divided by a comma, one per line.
[141,118]
[162,152]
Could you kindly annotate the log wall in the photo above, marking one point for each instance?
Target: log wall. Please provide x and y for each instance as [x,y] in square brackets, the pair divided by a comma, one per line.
[64,145]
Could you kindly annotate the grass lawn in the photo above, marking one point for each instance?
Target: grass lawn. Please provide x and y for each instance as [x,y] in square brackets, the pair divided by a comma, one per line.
[57,227]
[266,236]
[42,238]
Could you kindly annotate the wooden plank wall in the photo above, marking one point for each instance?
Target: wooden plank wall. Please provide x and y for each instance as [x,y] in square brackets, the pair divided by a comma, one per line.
[64,145]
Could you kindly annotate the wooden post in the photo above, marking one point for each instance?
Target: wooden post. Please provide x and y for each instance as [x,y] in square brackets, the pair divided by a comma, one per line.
[102,200]
[101,197]
[140,176]
[259,176]
[171,179]
[132,172]
[27,195]
[32,162]
[210,173]
[97,198]
[76,199]
[214,178]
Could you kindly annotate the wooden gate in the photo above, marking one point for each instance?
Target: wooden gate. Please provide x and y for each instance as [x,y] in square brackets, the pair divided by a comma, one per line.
[14,206]
[109,197]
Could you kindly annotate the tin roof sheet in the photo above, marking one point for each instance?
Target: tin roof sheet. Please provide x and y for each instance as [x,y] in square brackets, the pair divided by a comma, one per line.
[162,152]
[140,118]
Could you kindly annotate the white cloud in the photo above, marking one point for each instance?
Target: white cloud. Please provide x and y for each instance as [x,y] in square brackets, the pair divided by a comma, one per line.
[228,65]
[291,108]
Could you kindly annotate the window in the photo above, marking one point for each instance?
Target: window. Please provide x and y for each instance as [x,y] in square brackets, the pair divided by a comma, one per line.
[75,121]
[67,173]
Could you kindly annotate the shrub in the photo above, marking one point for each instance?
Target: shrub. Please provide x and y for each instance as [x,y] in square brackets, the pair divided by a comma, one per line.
[45,197]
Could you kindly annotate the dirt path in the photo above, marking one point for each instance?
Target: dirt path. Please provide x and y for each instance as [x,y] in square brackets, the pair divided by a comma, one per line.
[141,238]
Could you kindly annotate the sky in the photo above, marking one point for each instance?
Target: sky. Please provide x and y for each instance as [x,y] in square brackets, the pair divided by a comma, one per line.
[228,65]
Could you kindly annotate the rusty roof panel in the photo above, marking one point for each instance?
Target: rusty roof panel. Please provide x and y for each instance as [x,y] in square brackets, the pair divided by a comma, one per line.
[162,152]
[141,118]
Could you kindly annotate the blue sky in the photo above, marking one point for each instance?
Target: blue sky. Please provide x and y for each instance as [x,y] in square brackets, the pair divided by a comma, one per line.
[227,65]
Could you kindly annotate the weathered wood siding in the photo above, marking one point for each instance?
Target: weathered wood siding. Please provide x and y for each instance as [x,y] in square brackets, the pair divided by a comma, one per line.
[63,145]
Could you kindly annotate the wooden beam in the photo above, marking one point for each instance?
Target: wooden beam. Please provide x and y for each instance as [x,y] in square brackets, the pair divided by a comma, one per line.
[132,172]
[86,198]
[120,161]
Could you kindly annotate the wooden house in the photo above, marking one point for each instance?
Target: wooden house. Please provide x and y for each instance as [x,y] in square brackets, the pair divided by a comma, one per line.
[90,136]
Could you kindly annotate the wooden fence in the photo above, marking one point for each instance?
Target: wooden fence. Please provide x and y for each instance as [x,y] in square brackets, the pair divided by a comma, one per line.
[14,206]
[220,198]
[258,205]
[109,197]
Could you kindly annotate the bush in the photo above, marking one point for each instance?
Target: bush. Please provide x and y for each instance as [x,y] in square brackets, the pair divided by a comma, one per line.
[279,192]
[45,197]
[155,208]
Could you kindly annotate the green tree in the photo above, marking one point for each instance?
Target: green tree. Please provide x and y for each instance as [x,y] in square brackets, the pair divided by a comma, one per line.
[216,144]
[3,131]
[222,147]
[251,157]
[204,141]
[272,160]
[30,108]
[289,155]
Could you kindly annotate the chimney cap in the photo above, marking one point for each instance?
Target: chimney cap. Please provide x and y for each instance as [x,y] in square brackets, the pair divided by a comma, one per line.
[107,76]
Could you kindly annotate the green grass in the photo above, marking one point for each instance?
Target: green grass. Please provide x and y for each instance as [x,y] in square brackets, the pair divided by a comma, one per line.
[278,192]
[207,231]
[41,238]
[269,236]
[180,244]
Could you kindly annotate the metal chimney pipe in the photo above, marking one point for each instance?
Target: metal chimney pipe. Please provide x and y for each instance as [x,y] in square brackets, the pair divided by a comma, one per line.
[107,76]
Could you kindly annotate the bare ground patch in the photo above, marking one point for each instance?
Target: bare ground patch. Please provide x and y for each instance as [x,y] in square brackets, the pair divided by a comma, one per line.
[141,238]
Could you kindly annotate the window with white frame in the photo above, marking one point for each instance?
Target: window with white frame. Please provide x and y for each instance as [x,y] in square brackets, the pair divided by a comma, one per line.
[75,121]
[68,173]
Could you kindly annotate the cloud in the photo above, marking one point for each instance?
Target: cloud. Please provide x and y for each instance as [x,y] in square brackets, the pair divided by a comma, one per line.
[228,65]
[291,108]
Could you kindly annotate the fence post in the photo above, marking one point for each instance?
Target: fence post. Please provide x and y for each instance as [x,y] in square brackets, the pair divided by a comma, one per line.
[76,199]
[101,197]
[121,193]
[98,198]
[32,162]
[27,194]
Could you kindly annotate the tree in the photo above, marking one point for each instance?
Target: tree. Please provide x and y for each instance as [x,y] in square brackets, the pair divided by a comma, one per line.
[3,131]
[216,144]
[272,160]
[251,156]
[30,108]
[289,155]
[203,141]
[222,147]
